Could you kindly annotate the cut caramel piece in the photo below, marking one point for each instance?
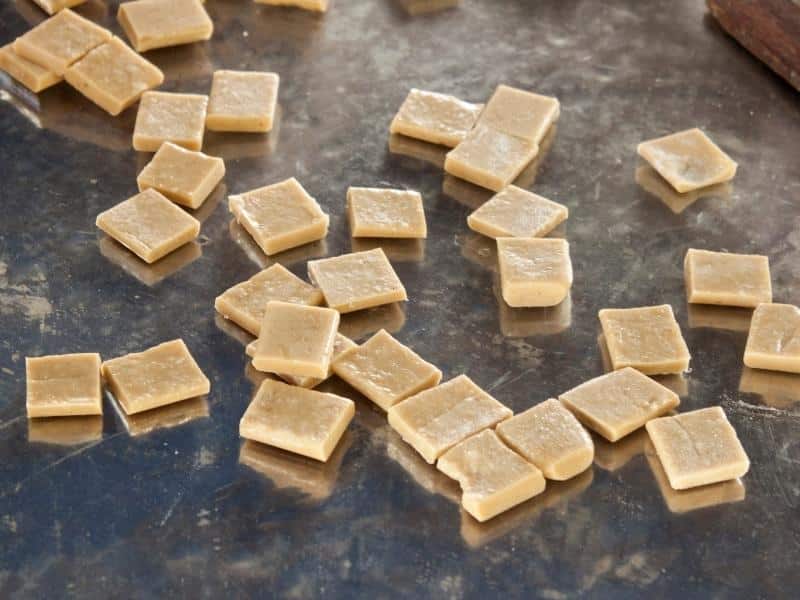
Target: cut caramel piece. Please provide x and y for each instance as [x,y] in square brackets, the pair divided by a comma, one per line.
[167,117]
[28,73]
[149,225]
[617,403]
[280,216]
[63,385]
[435,118]
[295,419]
[648,339]
[519,113]
[183,176]
[160,23]
[550,437]
[159,376]
[315,5]
[356,281]
[688,160]
[534,271]
[242,101]
[774,341]
[727,279]
[435,420]
[51,7]
[515,212]
[383,213]
[492,477]
[698,448]
[386,371]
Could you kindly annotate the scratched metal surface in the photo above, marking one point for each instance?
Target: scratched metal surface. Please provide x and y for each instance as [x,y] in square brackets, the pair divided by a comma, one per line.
[172,503]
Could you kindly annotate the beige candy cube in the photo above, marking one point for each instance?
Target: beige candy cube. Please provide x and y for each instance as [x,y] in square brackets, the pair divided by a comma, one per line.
[435,118]
[773,342]
[515,212]
[519,113]
[315,5]
[29,74]
[385,213]
[726,278]
[184,176]
[63,385]
[51,7]
[153,24]
[242,101]
[168,117]
[534,271]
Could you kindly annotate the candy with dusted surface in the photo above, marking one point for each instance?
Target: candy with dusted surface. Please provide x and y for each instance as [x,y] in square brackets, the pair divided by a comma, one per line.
[726,278]
[242,101]
[515,212]
[28,73]
[534,271]
[774,339]
[51,7]
[63,385]
[184,176]
[435,118]
[153,24]
[168,117]
[519,113]
[384,213]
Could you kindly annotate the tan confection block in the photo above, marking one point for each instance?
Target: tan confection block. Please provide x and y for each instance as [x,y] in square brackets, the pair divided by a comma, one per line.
[51,7]
[315,5]
[534,271]
[726,278]
[386,371]
[519,113]
[550,437]
[184,176]
[356,281]
[698,448]
[688,160]
[384,213]
[515,212]
[648,339]
[113,76]
[773,342]
[149,225]
[167,117]
[63,385]
[242,101]
[160,23]
[60,41]
[296,339]
[435,118]
[436,419]
[493,477]
[280,216]
[158,376]
[295,419]
[28,73]
[617,403]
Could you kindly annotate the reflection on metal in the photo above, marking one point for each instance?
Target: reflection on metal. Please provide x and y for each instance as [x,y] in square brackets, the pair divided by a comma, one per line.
[65,431]
[524,322]
[649,179]
[778,390]
[479,249]
[612,456]
[163,417]
[396,250]
[289,257]
[424,151]
[363,323]
[187,62]
[149,274]
[719,317]
[423,474]
[235,145]
[232,330]
[426,7]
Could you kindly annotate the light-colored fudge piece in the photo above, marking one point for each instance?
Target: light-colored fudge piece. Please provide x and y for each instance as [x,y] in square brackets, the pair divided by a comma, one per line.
[550,437]
[435,118]
[245,302]
[435,420]
[534,271]
[184,176]
[493,477]
[698,448]
[519,113]
[315,5]
[113,76]
[60,41]
[688,160]
[296,339]
[648,339]
[295,419]
[386,371]
[168,117]
[356,281]
[774,339]
[515,212]
[158,376]
[384,213]
[617,403]
[242,101]
[149,225]
[280,216]
[51,7]
[726,278]
[160,23]
[29,74]
[63,385]
[165,417]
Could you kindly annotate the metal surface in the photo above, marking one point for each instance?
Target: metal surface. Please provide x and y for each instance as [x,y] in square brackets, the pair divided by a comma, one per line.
[164,504]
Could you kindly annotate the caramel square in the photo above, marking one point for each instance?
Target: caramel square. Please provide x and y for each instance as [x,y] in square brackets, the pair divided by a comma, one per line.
[519,113]
[515,212]
[28,73]
[773,342]
[534,271]
[51,7]
[184,176]
[63,385]
[242,101]
[153,24]
[727,279]
[167,117]
[435,118]
[384,213]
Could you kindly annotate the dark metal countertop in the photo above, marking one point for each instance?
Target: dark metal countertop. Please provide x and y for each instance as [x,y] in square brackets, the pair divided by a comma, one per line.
[165,504]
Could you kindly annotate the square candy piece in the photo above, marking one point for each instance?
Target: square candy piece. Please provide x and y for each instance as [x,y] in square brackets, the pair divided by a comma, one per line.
[245,303]
[295,419]
[534,271]
[167,117]
[296,339]
[435,118]
[774,339]
[149,225]
[184,176]
[242,101]
[688,160]
[727,279]
[493,477]
[356,281]
[113,76]
[51,7]
[519,113]
[647,338]
[64,385]
[617,403]
[383,213]
[28,73]
[515,212]
[160,23]
[162,375]
[435,420]
[315,5]
[386,371]
[698,448]
[280,216]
